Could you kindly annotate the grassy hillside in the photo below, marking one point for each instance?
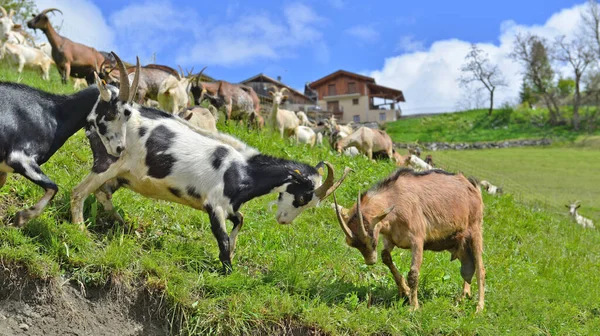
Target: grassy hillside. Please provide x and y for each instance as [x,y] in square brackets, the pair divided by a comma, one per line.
[547,176]
[540,267]
[476,125]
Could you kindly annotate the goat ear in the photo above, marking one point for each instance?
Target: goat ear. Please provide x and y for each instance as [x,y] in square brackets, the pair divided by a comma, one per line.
[578,205]
[104,92]
[271,93]
[382,215]
[567,206]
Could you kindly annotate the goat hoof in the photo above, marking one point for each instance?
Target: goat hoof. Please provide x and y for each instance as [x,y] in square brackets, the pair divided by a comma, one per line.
[227,269]
[20,218]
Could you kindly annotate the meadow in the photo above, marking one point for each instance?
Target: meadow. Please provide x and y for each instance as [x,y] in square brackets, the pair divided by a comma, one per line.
[541,268]
[476,125]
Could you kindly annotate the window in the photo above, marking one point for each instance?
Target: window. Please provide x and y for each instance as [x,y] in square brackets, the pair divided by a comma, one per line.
[356,118]
[351,87]
[331,89]
[355,101]
[382,116]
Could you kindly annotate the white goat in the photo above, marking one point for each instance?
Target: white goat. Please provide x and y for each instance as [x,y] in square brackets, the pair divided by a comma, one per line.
[24,55]
[417,163]
[173,94]
[303,119]
[282,120]
[46,48]
[205,118]
[79,83]
[305,135]
[585,222]
[351,151]
[490,188]
[7,34]
[319,139]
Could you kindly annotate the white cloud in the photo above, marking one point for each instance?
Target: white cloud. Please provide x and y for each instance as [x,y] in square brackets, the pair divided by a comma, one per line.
[408,43]
[81,21]
[428,78]
[254,36]
[364,33]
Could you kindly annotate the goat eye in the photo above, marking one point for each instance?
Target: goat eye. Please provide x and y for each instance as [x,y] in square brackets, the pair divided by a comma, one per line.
[301,199]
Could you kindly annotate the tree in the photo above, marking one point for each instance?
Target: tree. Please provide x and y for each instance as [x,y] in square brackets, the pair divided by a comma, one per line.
[23,9]
[478,68]
[566,87]
[577,54]
[532,51]
[527,95]
[590,25]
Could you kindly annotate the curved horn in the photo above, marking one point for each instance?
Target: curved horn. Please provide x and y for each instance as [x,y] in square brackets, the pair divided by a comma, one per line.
[136,80]
[181,73]
[329,186]
[4,13]
[362,233]
[189,73]
[124,79]
[340,219]
[284,89]
[48,10]
[11,13]
[198,76]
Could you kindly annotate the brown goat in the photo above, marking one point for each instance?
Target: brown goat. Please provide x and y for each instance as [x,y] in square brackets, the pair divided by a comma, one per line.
[240,101]
[433,210]
[72,59]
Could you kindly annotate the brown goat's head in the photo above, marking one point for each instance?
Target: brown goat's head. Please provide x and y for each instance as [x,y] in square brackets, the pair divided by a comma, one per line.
[362,232]
[41,21]
[197,89]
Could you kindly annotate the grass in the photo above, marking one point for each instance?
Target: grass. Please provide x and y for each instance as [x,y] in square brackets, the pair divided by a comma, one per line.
[541,268]
[549,176]
[476,125]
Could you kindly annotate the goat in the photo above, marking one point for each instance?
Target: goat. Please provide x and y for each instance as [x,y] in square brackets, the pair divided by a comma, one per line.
[284,121]
[240,101]
[305,135]
[417,163]
[79,83]
[172,94]
[351,151]
[367,141]
[72,59]
[205,118]
[24,55]
[490,188]
[433,210]
[167,158]
[429,160]
[151,78]
[585,222]
[35,125]
[304,119]
[7,29]
[319,138]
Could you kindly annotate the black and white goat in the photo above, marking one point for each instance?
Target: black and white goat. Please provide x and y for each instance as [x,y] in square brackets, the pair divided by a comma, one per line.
[35,124]
[161,156]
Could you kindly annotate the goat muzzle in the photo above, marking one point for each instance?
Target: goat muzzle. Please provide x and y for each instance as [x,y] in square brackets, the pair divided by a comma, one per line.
[329,186]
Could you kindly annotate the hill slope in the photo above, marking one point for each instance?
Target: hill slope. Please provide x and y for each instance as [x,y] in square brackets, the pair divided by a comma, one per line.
[301,277]
[476,125]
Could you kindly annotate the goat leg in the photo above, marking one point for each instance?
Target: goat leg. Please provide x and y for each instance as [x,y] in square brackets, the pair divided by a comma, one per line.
[413,274]
[386,257]
[90,184]
[27,167]
[217,225]
[238,222]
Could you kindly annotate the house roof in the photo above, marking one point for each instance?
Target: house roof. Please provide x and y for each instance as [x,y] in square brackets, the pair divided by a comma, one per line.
[274,81]
[341,73]
[380,91]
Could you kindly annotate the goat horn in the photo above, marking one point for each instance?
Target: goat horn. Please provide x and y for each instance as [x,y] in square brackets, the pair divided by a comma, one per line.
[340,219]
[329,186]
[198,76]
[136,80]
[284,89]
[4,13]
[124,79]
[189,73]
[181,74]
[361,230]
[46,11]
[11,13]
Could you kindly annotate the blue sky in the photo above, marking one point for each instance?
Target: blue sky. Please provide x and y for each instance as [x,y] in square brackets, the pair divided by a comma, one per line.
[299,40]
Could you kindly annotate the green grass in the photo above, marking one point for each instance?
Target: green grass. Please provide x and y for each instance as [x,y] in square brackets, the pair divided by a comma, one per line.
[549,176]
[476,125]
[541,268]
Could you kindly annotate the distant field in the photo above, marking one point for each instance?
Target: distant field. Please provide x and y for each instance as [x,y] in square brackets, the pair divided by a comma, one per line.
[553,176]
[474,126]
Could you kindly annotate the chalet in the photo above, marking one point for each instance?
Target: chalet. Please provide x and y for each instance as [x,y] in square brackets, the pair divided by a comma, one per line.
[354,97]
[262,84]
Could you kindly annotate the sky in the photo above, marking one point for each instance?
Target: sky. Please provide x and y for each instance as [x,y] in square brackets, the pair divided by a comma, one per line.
[417,47]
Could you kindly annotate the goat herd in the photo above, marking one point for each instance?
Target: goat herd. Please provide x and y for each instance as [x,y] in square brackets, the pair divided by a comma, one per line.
[184,159]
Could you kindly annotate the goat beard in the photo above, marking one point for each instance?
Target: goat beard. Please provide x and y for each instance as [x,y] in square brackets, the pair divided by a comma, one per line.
[270,205]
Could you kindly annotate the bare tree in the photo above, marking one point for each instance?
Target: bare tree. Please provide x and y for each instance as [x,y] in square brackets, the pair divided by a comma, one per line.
[590,25]
[577,54]
[478,68]
[532,51]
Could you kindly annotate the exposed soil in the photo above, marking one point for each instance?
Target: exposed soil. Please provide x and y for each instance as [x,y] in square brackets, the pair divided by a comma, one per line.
[57,307]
